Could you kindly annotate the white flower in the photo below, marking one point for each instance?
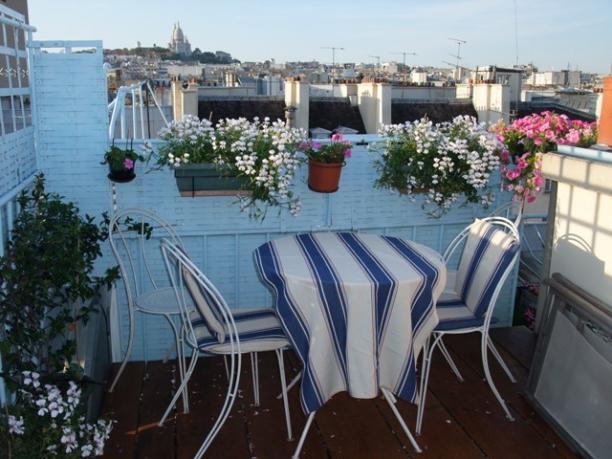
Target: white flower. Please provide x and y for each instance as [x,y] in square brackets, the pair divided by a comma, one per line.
[16,425]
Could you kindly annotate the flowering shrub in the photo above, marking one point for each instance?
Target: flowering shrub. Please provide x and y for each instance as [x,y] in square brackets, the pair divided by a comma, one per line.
[445,160]
[527,138]
[48,422]
[337,151]
[264,152]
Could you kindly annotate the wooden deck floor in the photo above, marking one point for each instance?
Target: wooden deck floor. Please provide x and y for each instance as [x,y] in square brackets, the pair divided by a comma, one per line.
[462,420]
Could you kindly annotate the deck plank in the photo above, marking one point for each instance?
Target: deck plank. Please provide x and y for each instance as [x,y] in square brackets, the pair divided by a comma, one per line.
[266,423]
[462,420]
[122,406]
[468,350]
[476,408]
[207,390]
[157,390]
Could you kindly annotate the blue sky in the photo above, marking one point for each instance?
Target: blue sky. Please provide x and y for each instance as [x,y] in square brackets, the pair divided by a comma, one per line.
[551,33]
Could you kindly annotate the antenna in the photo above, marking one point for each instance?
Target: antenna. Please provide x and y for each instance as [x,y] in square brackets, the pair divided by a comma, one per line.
[333,50]
[516,49]
[377,61]
[459,42]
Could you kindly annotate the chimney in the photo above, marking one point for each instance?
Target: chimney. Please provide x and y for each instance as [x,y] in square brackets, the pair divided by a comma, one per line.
[297,100]
[604,126]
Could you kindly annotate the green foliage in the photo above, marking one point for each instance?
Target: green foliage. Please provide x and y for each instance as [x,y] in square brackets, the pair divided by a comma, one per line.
[47,269]
[116,157]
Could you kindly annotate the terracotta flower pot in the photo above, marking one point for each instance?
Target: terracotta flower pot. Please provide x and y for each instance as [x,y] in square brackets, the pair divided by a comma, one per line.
[323,177]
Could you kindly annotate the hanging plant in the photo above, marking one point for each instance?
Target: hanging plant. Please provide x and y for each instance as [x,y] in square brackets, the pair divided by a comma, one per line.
[121,163]
[445,161]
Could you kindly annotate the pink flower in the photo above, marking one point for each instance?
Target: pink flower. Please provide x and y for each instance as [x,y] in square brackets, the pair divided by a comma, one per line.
[522,164]
[531,198]
[315,145]
[538,180]
[573,136]
[128,164]
[348,153]
[336,137]
[505,157]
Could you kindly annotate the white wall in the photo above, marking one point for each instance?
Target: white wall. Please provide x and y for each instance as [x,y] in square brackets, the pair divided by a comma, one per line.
[582,241]
[424,93]
[492,102]
[374,100]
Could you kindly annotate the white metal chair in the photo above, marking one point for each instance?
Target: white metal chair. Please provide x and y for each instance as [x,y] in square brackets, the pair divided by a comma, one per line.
[130,232]
[188,280]
[491,248]
[206,329]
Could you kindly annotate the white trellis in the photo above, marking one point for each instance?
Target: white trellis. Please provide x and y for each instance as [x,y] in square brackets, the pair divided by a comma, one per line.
[15,95]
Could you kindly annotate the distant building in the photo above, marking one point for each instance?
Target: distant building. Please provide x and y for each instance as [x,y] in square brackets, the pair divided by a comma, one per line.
[566,78]
[178,42]
[492,74]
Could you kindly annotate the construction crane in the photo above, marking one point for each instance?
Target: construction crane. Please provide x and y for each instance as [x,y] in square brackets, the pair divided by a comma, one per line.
[404,54]
[377,61]
[333,50]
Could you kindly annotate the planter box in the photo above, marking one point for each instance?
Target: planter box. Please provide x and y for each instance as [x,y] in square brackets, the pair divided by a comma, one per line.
[205,180]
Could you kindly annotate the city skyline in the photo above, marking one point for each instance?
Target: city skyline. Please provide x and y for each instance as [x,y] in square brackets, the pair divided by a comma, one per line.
[549,35]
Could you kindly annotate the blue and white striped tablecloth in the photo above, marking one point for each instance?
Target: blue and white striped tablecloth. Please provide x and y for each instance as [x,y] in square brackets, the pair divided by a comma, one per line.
[356,307]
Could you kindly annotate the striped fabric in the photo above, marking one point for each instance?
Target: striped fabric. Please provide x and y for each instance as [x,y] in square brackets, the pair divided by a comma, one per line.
[357,308]
[488,251]
[258,330]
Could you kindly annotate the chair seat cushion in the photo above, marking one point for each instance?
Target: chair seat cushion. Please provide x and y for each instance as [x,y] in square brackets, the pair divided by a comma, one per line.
[259,330]
[455,315]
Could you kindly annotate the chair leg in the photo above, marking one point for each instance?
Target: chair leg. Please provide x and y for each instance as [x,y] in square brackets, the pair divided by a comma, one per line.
[128,352]
[177,394]
[255,375]
[449,360]
[227,375]
[426,365]
[281,369]
[181,361]
[298,449]
[501,362]
[485,365]
[293,382]
[400,419]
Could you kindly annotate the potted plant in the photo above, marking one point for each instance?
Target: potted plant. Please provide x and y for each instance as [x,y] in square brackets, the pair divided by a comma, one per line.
[255,160]
[121,163]
[444,161]
[526,139]
[325,163]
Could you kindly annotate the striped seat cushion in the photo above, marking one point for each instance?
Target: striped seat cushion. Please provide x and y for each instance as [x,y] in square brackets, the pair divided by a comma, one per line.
[454,314]
[487,253]
[259,330]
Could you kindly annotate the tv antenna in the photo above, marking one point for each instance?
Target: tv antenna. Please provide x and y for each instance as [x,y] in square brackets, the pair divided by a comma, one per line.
[459,42]
[333,50]
[377,61]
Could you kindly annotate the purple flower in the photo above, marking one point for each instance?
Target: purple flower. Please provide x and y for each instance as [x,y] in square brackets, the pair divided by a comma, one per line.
[348,153]
[315,145]
[128,164]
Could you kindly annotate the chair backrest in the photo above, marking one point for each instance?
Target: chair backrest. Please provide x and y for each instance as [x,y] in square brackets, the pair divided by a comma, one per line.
[186,278]
[134,236]
[491,247]
[512,211]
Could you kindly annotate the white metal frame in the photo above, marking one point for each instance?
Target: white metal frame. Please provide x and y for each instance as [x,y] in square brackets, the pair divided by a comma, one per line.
[173,254]
[130,270]
[117,110]
[486,343]
[176,261]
